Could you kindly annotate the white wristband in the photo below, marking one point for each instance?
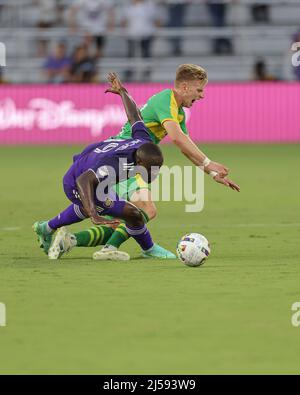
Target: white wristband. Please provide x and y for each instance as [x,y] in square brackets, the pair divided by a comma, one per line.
[213,174]
[206,162]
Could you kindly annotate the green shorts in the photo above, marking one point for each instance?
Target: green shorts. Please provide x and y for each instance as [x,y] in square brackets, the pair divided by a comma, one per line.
[125,189]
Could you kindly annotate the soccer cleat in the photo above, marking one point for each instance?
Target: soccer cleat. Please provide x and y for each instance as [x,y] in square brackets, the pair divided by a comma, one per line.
[44,236]
[111,255]
[63,242]
[158,252]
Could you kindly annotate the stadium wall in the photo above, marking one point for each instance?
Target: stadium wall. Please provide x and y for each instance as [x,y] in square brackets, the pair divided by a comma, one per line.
[68,114]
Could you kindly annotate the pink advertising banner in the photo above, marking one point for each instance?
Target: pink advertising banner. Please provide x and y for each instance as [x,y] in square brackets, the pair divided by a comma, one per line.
[67,114]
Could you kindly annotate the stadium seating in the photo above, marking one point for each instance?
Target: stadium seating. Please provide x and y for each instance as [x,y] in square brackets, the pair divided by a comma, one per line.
[250,41]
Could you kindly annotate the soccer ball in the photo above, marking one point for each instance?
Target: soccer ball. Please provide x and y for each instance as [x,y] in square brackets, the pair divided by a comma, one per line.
[193,249]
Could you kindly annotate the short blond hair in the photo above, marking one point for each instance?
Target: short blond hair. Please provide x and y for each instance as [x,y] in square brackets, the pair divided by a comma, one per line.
[190,72]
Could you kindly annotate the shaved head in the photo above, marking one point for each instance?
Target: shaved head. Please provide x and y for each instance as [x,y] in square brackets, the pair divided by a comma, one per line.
[149,159]
[148,155]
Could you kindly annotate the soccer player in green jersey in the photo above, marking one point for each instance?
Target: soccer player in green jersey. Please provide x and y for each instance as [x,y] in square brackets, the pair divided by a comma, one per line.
[163,115]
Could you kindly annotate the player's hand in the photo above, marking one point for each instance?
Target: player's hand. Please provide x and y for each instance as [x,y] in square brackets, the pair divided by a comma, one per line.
[115,84]
[228,183]
[218,167]
[98,220]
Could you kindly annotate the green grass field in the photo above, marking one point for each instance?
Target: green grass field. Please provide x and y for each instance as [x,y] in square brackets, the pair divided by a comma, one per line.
[233,315]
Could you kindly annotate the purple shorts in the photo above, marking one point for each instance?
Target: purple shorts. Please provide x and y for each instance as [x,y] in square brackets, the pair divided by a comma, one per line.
[107,204]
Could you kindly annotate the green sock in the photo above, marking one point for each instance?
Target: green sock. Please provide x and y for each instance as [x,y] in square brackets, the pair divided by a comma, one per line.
[145,215]
[120,235]
[97,235]
[101,235]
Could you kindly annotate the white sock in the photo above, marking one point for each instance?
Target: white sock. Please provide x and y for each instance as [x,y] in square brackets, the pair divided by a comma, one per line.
[49,230]
[108,247]
[149,249]
[73,240]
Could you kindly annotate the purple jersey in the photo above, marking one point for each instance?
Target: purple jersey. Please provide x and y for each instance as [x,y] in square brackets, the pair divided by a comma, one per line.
[110,155]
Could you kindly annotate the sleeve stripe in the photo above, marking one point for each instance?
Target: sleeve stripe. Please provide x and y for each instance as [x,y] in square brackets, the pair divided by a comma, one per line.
[137,123]
[174,107]
[141,183]
[170,119]
[94,173]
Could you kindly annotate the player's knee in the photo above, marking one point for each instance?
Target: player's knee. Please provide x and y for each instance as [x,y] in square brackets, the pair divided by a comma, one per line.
[148,208]
[151,212]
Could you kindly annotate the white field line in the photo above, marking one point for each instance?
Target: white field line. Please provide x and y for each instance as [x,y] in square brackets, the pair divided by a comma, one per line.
[248,225]
[10,229]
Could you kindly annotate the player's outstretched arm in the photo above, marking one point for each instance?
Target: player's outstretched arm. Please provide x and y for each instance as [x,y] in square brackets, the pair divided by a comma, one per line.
[191,151]
[86,184]
[132,111]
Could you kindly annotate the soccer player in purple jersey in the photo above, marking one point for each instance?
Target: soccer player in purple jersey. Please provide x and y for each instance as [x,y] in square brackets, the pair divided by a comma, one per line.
[88,182]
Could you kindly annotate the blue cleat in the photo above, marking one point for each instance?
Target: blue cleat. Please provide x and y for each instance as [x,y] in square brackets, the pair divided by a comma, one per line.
[44,236]
[158,252]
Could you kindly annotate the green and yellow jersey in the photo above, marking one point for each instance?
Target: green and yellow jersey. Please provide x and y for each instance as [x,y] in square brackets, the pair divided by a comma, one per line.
[125,189]
[158,109]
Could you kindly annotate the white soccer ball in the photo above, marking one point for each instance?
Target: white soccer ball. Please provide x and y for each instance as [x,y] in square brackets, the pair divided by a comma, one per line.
[193,249]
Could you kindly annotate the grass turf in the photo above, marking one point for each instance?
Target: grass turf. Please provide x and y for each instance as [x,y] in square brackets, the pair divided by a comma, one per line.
[233,315]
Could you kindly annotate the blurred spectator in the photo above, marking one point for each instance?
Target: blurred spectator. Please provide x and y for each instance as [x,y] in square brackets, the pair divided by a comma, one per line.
[218,12]
[261,73]
[47,13]
[260,12]
[297,72]
[57,66]
[94,17]
[47,17]
[296,69]
[141,18]
[177,12]
[83,68]
[2,80]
